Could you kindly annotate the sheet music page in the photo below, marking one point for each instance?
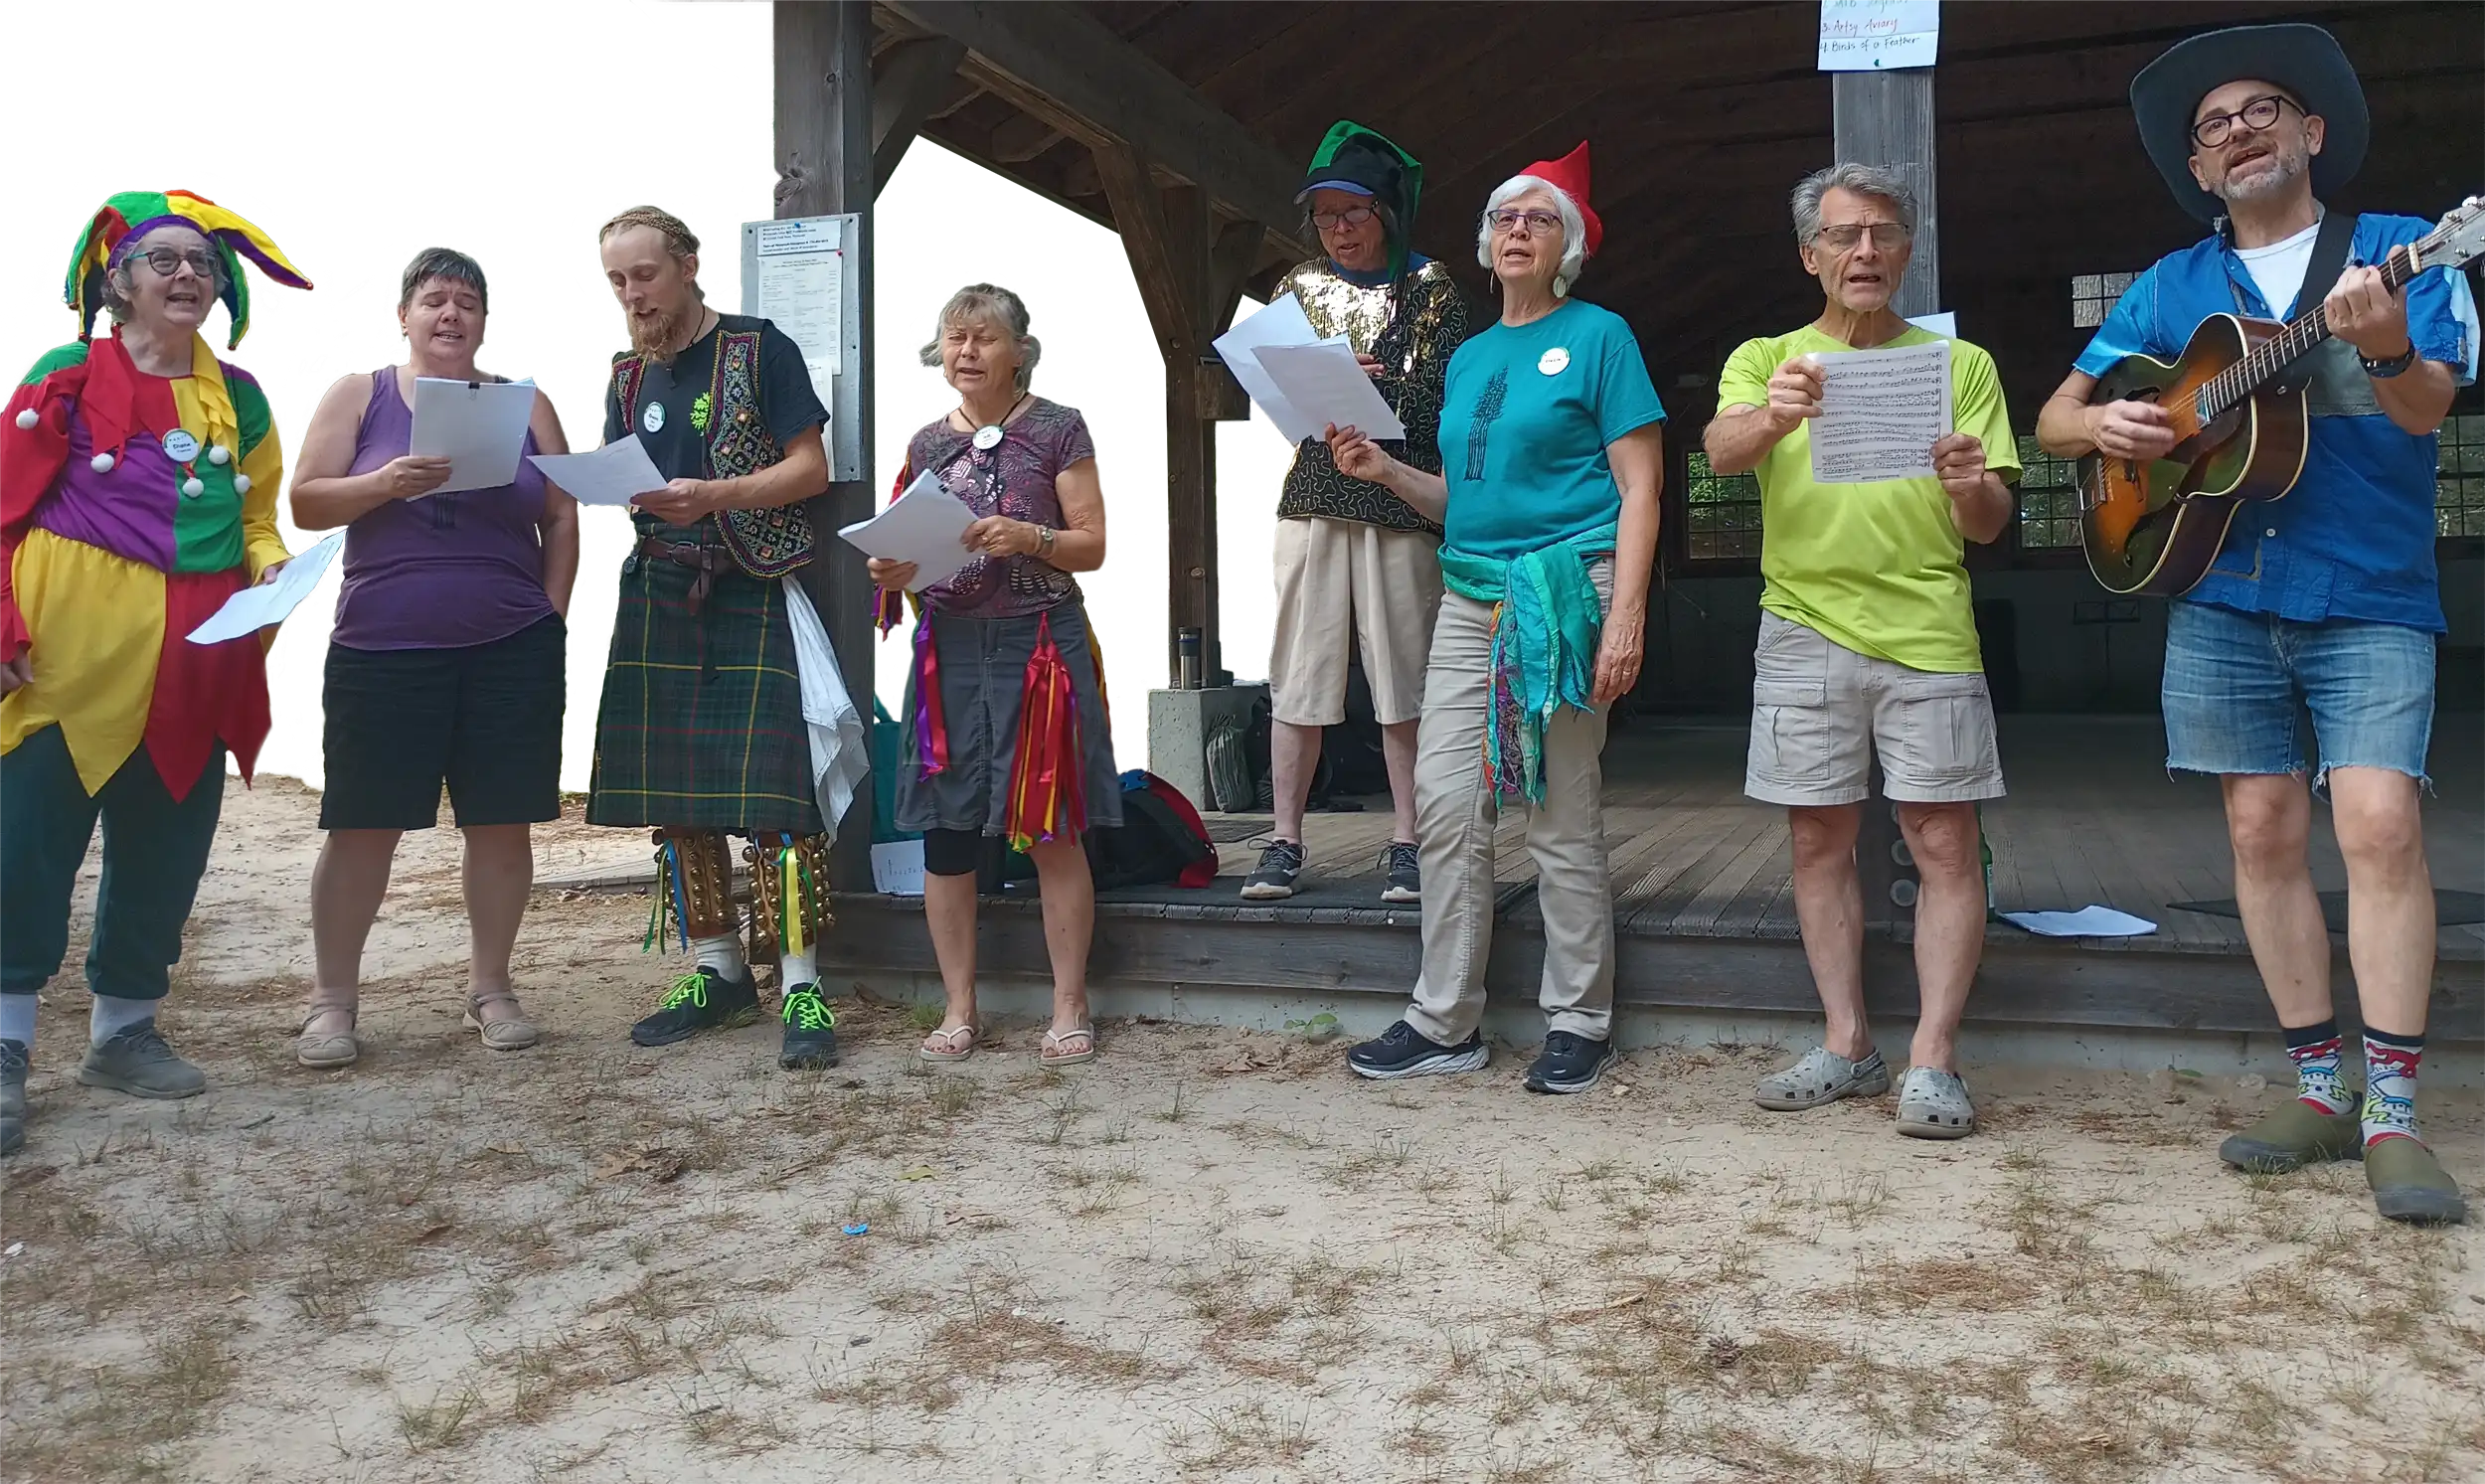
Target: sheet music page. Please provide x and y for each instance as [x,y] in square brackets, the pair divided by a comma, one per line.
[1881,412]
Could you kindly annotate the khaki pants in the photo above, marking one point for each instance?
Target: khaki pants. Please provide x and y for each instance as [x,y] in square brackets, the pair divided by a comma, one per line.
[1455,812]
[1343,584]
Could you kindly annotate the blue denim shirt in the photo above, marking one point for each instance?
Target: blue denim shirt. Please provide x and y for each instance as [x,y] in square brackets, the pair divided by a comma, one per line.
[2354,539]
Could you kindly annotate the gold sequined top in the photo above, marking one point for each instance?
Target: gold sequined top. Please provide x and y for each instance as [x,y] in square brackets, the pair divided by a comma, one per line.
[1412,331]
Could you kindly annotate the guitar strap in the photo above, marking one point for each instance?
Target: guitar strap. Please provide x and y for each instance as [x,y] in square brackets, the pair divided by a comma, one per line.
[2332,376]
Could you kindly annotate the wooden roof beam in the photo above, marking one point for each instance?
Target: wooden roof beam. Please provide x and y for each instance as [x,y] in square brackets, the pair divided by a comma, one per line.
[909,79]
[1063,67]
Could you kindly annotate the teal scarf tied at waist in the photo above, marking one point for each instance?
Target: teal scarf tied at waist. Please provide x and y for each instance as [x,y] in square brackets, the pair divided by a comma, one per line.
[1545,625]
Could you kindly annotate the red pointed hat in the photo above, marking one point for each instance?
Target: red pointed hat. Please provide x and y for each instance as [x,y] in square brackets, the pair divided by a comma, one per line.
[1568,175]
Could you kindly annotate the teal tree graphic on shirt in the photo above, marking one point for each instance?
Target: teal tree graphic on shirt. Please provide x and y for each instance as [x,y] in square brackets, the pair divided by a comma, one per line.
[1480,421]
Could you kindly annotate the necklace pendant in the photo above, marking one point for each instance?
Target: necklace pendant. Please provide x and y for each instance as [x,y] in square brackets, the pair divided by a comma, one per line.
[988,437]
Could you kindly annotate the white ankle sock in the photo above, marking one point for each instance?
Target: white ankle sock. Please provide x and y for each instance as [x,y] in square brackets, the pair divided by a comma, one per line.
[110,1015]
[799,968]
[722,953]
[17,1019]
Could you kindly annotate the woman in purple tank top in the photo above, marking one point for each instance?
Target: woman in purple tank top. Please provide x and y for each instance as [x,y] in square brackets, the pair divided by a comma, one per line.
[446,664]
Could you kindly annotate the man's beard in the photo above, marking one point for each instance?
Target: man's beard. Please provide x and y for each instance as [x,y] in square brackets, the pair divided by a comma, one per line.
[2285,167]
[653,336]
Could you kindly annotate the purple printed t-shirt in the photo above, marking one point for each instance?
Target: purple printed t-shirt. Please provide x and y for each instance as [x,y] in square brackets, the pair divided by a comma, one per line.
[448,570]
[1015,479]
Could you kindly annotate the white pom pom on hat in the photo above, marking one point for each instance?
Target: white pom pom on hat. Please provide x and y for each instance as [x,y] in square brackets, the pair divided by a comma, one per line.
[28,418]
[102,464]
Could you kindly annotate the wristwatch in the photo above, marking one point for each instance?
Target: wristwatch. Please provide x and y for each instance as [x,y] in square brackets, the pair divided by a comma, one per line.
[1043,542]
[2383,371]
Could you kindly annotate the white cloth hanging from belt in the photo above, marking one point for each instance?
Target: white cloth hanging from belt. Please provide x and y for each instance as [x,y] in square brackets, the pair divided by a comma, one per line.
[841,754]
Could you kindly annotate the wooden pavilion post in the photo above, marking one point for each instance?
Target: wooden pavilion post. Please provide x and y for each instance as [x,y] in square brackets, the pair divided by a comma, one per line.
[1885,118]
[824,166]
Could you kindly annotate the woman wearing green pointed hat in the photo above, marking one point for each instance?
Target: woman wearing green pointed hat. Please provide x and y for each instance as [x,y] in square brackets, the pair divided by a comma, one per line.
[1357,564]
[138,478]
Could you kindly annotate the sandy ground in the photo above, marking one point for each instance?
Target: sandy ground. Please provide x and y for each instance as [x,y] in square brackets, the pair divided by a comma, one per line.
[1209,1255]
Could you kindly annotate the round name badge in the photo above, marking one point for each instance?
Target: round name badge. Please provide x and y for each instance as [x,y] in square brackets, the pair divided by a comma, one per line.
[181,445]
[1554,362]
[988,436]
[653,418]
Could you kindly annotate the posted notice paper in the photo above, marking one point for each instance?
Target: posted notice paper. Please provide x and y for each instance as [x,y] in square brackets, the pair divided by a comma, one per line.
[1880,414]
[614,475]
[255,607]
[1325,384]
[480,427]
[802,269]
[926,526]
[1865,35]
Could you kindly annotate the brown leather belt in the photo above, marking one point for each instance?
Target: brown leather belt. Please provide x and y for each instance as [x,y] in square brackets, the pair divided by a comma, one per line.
[706,561]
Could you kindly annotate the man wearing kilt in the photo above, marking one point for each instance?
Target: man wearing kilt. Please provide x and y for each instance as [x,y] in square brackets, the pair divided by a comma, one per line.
[702,731]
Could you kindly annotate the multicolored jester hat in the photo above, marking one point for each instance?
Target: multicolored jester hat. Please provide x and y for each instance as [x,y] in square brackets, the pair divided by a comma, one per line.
[131,215]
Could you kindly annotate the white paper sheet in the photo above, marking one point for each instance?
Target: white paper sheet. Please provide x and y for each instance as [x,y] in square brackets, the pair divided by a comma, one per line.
[1944,324]
[801,291]
[253,608]
[898,868]
[1880,414]
[1325,384]
[2089,921]
[479,426]
[926,525]
[612,475]
[839,753]
[1281,323]
[1863,36]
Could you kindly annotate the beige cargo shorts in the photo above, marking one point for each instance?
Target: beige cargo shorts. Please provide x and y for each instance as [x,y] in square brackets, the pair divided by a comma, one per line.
[1819,711]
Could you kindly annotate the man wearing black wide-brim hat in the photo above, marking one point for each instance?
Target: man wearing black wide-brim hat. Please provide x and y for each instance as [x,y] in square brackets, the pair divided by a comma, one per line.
[2326,600]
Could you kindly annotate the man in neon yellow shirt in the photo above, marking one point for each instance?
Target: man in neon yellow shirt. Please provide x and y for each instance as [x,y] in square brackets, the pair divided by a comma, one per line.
[1868,640]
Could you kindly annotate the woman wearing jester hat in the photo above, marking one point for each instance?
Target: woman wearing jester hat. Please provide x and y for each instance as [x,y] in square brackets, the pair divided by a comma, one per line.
[138,478]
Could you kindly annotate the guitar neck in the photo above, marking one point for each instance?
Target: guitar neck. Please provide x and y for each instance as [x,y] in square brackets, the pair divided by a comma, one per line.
[2230,389]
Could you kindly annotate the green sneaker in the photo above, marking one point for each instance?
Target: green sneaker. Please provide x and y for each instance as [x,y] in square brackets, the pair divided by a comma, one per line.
[2296,1135]
[2410,1183]
[12,1058]
[811,1031]
[701,1000]
[139,1063]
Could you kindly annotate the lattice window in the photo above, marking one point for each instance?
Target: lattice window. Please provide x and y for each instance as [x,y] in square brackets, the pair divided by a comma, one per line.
[2093,295]
[2049,500]
[2460,490]
[1723,514]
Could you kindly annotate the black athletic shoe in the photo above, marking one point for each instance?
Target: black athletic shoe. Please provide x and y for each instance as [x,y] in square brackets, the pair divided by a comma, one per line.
[811,1031]
[1569,1063]
[702,999]
[1403,1051]
[1403,882]
[1272,879]
[13,1056]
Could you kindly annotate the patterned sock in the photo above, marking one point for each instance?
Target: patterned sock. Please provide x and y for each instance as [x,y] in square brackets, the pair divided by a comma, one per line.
[799,968]
[2389,1085]
[110,1015]
[2317,1051]
[17,1019]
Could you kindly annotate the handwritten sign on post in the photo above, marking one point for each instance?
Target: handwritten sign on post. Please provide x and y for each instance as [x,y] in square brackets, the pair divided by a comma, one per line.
[1863,36]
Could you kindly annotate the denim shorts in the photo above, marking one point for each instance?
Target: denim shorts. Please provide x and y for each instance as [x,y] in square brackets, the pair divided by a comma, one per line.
[2239,687]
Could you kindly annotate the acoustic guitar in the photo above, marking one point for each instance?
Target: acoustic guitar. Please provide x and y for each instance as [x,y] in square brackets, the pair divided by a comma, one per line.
[2236,396]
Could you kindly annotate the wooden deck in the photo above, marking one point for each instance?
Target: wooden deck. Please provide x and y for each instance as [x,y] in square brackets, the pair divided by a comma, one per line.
[1705,912]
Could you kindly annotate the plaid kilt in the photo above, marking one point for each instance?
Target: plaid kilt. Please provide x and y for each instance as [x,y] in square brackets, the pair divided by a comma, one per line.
[700,725]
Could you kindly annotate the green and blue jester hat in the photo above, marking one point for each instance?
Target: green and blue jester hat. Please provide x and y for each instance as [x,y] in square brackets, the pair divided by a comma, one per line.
[1358,159]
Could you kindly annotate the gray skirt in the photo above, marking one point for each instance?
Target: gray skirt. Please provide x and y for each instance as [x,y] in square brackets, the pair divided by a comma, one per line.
[983,677]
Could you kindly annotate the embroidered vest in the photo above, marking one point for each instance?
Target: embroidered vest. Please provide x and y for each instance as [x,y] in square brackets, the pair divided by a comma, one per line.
[763,542]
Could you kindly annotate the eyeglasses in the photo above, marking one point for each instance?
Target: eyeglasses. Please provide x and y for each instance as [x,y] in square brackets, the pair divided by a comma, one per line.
[168,260]
[2261,113]
[1887,236]
[1353,215]
[1506,220]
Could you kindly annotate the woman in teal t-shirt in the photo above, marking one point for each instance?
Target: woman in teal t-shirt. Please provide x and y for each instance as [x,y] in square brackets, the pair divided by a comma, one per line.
[1550,464]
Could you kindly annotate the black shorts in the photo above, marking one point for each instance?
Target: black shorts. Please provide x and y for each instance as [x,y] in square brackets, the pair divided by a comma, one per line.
[485,719]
